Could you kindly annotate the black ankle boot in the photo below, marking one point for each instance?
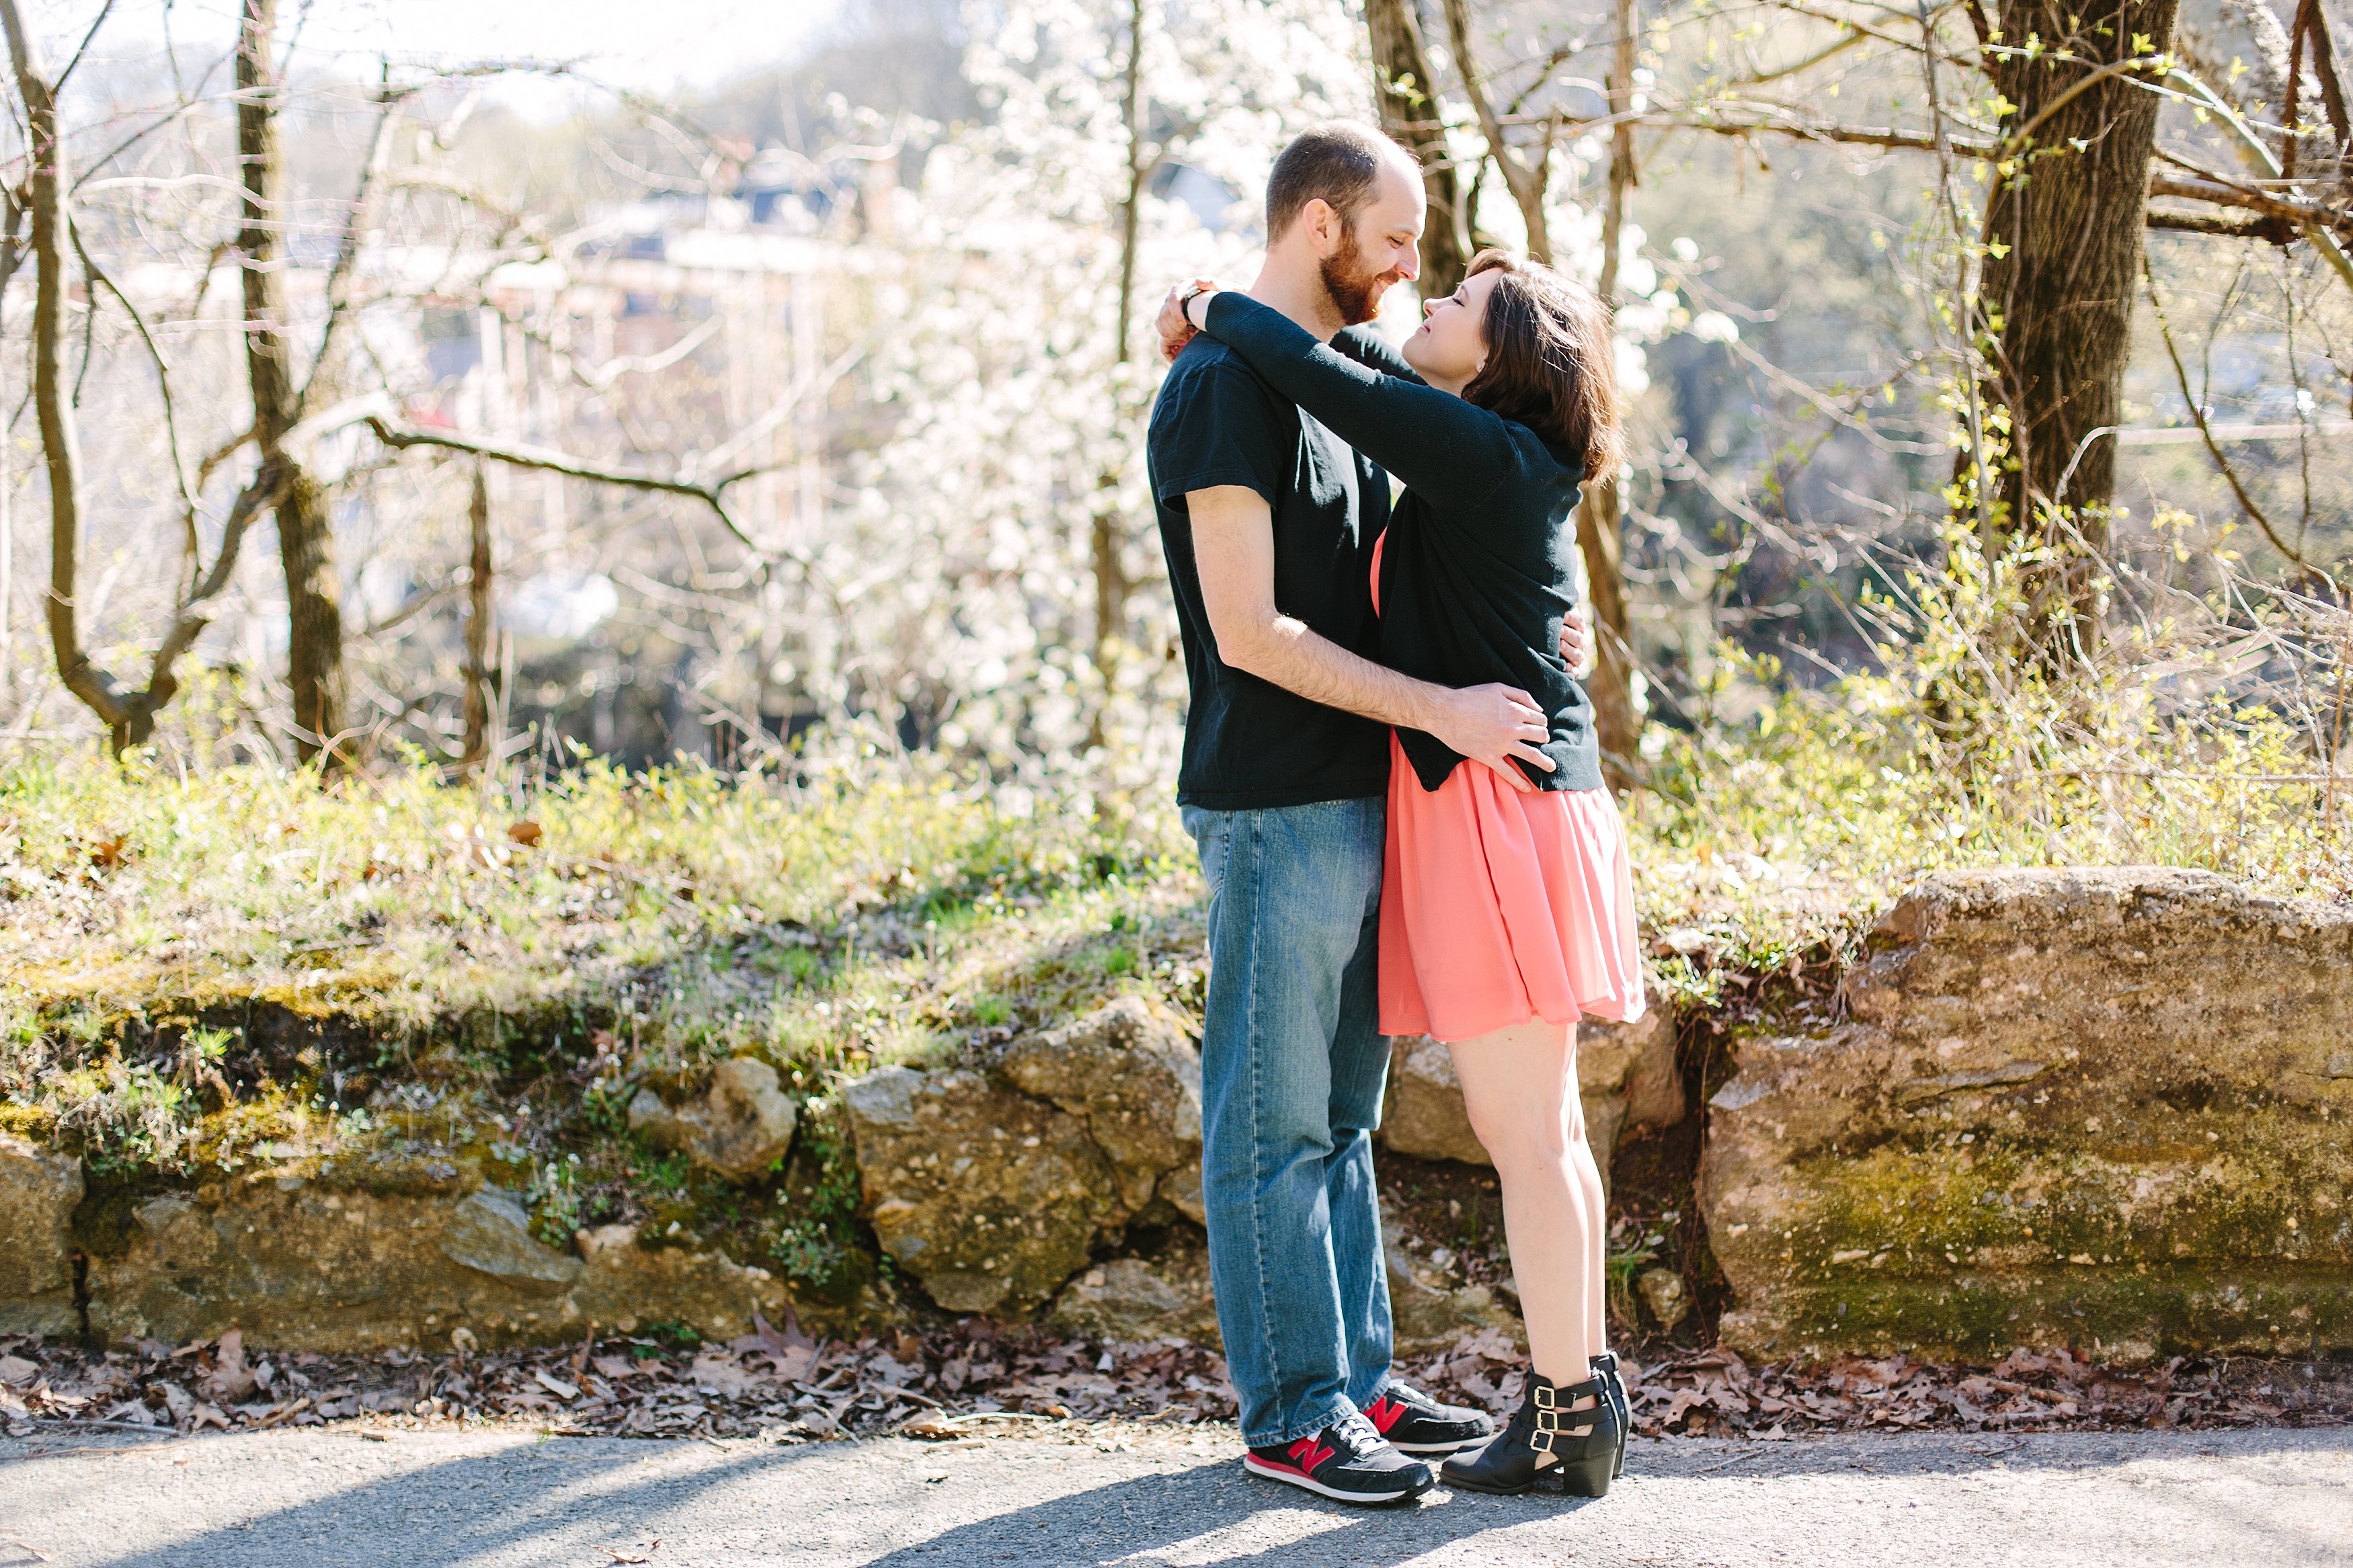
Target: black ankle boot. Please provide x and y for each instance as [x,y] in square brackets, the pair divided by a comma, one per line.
[1605,1367]
[1547,1440]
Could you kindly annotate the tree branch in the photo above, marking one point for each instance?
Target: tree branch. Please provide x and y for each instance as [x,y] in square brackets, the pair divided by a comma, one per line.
[2271,230]
[1824,130]
[347,248]
[129,715]
[98,274]
[401,438]
[1526,181]
[2198,413]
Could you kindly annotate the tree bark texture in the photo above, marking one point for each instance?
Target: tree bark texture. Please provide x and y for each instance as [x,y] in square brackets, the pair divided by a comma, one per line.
[2064,226]
[480,579]
[305,542]
[1403,84]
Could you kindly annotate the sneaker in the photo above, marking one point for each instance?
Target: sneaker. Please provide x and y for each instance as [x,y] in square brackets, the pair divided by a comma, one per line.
[1414,1422]
[1348,1461]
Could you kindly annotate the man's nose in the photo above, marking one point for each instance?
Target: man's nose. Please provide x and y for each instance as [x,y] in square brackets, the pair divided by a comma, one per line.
[1410,267]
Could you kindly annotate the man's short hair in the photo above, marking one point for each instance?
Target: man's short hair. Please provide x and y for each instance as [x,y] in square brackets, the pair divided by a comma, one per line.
[1338,162]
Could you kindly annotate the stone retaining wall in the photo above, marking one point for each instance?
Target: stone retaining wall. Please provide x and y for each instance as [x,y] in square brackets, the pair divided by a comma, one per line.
[307,1266]
[39,1194]
[2104,1108]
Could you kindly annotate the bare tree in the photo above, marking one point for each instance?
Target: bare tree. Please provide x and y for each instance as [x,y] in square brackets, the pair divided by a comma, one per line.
[1107,528]
[1527,175]
[2063,241]
[129,714]
[1600,510]
[480,608]
[1406,90]
[1526,170]
[314,611]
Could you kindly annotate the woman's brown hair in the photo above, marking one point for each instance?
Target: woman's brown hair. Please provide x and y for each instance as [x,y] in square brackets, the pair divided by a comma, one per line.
[1552,360]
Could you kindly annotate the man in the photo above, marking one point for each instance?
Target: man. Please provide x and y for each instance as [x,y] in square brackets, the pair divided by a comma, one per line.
[1269,520]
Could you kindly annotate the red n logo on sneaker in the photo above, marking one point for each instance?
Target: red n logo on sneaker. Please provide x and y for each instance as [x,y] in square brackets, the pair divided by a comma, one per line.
[1308,1453]
[1385,1414]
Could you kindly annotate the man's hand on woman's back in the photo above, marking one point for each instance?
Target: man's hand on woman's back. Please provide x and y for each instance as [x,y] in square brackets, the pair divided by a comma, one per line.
[1495,725]
[1572,640]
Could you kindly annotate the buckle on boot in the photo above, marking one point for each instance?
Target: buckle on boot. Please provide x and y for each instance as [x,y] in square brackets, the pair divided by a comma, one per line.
[1547,1419]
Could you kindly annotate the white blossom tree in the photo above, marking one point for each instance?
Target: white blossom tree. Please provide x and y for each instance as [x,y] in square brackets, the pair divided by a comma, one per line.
[1007,525]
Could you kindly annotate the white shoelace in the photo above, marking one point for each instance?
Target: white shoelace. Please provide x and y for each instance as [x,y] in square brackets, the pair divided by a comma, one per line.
[1360,1433]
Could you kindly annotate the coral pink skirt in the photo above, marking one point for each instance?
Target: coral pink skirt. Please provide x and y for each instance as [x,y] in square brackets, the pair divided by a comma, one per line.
[1498,907]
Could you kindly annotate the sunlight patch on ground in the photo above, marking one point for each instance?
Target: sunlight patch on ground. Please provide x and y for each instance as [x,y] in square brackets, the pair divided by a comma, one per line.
[1253,1536]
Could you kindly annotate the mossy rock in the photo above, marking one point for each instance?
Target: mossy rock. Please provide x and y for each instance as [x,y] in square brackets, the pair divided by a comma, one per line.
[2103,1107]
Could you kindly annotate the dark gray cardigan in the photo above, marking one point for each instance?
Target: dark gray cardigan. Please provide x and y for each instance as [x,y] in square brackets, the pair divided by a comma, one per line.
[1479,567]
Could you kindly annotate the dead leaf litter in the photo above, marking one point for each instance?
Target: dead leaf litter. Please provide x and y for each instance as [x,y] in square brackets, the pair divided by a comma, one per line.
[958,1385]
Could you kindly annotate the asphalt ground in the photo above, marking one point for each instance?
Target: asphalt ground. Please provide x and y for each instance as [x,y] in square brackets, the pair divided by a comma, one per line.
[1101,1493]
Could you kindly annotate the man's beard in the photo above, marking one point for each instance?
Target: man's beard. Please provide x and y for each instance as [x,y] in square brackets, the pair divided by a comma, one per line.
[1355,292]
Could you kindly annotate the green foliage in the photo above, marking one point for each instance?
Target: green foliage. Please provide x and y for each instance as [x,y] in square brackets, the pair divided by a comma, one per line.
[655,1338]
[1624,1259]
[555,1199]
[815,1240]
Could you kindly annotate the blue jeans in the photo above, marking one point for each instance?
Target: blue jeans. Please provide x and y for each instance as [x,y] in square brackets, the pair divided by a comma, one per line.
[1293,1064]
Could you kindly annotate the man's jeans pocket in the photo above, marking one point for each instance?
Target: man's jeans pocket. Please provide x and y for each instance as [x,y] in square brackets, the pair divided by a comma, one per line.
[1213,835]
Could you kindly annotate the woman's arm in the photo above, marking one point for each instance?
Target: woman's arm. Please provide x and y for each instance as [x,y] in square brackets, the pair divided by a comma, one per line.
[1450,450]
[1373,351]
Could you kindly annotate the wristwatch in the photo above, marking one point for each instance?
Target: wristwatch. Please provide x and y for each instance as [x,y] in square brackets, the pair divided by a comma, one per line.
[1185,303]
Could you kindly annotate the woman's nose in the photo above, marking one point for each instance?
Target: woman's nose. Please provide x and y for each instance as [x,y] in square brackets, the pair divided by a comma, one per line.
[1430,307]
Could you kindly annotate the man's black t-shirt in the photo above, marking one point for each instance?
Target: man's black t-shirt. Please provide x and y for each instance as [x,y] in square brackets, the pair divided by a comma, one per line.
[1249,743]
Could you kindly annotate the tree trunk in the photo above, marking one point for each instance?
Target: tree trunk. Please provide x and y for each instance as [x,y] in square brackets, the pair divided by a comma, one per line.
[47,181]
[1406,89]
[2063,232]
[479,585]
[1600,514]
[314,610]
[1107,530]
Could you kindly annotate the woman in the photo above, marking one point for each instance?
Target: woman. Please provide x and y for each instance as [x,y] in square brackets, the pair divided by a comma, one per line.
[1507,906]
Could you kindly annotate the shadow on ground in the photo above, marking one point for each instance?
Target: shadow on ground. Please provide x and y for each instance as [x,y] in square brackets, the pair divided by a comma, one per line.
[891,1504]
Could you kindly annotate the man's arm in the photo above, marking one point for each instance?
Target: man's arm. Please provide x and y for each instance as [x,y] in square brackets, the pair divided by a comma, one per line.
[1234,549]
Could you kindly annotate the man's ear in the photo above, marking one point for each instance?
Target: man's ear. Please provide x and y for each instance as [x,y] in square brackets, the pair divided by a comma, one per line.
[1322,223]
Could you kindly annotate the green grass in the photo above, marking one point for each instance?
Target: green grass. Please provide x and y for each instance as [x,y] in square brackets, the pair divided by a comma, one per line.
[1777,839]
[205,974]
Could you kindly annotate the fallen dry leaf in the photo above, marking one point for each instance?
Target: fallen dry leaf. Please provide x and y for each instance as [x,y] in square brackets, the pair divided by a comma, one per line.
[526,833]
[17,1369]
[719,1373]
[629,1554]
[556,1386]
[232,1382]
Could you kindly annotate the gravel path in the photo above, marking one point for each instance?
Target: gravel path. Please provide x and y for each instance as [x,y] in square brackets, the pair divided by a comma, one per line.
[1136,1495]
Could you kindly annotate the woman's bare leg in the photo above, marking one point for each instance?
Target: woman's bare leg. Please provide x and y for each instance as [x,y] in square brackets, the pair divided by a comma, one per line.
[1589,1178]
[1520,1085]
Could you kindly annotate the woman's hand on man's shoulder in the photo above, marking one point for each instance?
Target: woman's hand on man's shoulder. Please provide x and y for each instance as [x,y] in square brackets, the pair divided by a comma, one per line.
[1175,330]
